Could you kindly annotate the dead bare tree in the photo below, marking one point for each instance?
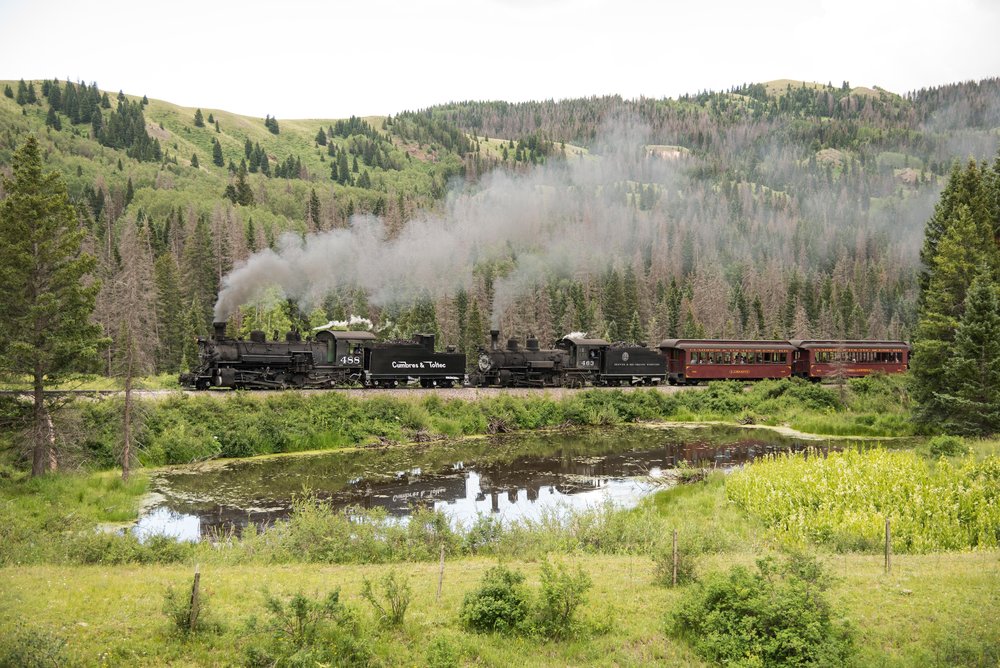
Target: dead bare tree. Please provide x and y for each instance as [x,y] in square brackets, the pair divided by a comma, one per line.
[134,333]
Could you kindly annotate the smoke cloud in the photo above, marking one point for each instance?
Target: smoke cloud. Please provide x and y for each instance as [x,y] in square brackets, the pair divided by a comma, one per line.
[571,216]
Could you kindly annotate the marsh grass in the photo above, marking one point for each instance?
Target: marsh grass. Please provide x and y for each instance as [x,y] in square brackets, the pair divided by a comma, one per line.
[38,516]
[842,499]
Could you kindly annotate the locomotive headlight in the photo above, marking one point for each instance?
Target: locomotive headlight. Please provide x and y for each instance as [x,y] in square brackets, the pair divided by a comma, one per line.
[485,363]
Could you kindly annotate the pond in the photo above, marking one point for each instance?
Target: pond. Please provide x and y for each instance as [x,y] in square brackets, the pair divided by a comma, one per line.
[510,476]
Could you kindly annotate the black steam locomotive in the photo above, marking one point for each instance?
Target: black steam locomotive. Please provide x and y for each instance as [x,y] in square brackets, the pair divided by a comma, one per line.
[330,359]
[574,362]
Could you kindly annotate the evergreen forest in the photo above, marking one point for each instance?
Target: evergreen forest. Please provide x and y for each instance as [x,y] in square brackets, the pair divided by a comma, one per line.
[777,210]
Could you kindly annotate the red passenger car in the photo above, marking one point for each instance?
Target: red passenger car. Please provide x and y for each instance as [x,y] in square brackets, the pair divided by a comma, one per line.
[690,361]
[850,359]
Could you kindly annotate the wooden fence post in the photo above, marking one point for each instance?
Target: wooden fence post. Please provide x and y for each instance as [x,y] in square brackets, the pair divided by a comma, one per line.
[193,608]
[440,575]
[675,557]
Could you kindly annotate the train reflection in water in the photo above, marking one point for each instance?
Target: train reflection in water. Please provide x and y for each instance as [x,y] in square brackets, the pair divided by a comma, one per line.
[522,487]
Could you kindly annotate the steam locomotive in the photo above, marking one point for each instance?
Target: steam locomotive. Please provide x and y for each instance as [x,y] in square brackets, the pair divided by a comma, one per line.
[330,359]
[337,359]
[575,361]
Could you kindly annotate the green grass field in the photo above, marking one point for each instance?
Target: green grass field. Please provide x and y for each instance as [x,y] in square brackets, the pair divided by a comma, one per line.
[933,610]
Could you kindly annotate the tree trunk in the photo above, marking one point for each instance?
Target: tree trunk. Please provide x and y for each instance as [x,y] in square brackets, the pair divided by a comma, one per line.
[40,430]
[127,421]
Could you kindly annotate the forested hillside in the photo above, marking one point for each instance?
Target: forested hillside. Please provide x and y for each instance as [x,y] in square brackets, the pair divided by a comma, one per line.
[770,210]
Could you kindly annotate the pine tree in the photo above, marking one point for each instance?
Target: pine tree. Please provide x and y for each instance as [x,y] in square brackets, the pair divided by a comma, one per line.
[169,314]
[244,194]
[343,170]
[8,91]
[970,396]
[201,282]
[199,121]
[217,158]
[321,137]
[52,120]
[47,300]
[959,241]
[54,95]
[211,118]
[314,208]
[194,160]
[635,329]
[475,331]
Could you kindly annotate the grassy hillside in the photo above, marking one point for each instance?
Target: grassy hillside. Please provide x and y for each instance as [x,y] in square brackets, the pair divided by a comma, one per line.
[162,187]
[772,210]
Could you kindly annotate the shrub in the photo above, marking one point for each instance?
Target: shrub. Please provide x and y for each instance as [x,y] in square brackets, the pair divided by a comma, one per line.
[26,647]
[441,653]
[105,548]
[303,631]
[562,593]
[113,548]
[500,603]
[397,596]
[947,446]
[776,616]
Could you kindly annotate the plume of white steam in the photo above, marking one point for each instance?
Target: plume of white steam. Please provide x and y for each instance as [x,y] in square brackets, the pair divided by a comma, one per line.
[355,322]
[566,216]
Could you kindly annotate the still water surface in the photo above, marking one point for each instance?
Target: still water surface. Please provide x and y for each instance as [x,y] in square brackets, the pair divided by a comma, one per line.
[511,477]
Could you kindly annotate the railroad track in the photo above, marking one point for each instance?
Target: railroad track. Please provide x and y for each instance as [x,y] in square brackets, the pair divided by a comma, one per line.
[468,393]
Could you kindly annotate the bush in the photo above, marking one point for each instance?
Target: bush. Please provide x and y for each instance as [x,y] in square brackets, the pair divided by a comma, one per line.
[499,605]
[397,598]
[25,647]
[113,549]
[776,616]
[947,446]
[303,631]
[562,594]
[441,653]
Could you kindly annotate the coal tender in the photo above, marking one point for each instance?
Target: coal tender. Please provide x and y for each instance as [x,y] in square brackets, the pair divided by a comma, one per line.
[402,362]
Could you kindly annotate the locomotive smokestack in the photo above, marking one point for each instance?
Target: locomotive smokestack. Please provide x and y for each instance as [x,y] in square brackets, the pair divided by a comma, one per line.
[494,339]
[532,342]
[220,330]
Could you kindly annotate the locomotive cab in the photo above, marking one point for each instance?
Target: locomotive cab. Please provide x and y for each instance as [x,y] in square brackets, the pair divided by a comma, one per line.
[585,356]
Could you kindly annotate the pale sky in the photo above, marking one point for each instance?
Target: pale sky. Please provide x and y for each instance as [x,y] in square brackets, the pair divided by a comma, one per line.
[313,59]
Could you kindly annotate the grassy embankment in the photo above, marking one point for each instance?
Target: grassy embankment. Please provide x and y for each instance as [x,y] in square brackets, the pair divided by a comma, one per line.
[183,429]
